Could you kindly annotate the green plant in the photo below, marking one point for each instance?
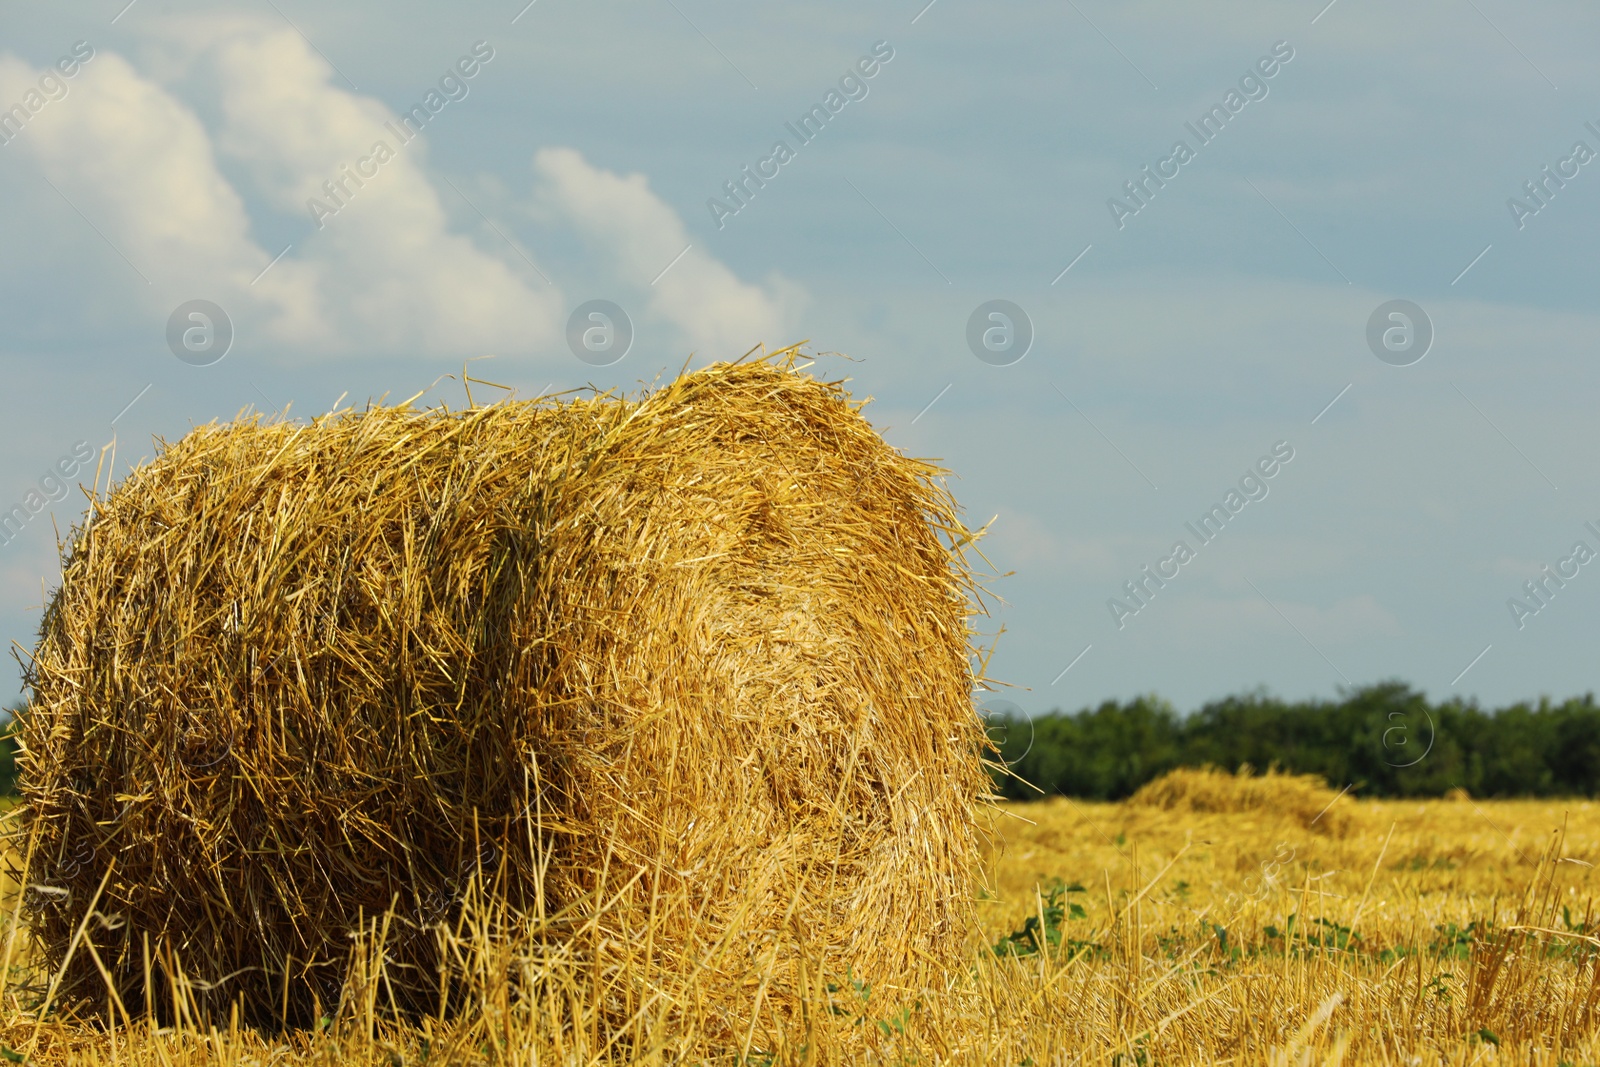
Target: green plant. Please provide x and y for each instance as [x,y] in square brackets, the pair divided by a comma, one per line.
[1034,936]
[1230,952]
[1455,942]
[1323,935]
[863,992]
[1139,1057]
[1333,937]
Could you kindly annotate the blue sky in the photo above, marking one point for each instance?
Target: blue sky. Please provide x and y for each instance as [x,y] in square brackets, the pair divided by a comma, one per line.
[977,163]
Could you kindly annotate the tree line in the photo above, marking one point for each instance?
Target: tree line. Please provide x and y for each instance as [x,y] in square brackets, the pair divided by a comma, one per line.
[1383,740]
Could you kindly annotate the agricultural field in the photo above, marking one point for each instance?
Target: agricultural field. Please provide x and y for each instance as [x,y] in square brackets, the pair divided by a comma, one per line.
[1208,920]
[1445,931]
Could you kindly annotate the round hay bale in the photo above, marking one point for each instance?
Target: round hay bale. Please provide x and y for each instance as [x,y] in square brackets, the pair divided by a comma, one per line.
[1303,798]
[690,672]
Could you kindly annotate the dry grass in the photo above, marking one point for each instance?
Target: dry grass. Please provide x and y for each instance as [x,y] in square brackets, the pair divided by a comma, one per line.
[1433,932]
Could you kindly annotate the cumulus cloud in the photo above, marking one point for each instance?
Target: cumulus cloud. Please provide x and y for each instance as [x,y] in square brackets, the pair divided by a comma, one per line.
[128,153]
[137,165]
[385,270]
[386,274]
[623,220]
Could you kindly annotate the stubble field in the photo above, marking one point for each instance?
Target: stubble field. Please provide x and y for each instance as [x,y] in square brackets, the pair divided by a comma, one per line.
[1452,931]
[1396,932]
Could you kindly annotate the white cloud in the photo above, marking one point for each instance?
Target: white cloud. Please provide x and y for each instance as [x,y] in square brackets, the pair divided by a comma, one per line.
[128,153]
[385,271]
[385,274]
[717,315]
[139,167]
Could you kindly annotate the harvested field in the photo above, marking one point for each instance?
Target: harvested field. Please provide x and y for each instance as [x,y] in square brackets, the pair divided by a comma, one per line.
[1414,940]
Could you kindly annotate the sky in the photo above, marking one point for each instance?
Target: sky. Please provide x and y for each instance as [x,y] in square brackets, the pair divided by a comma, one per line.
[1369,270]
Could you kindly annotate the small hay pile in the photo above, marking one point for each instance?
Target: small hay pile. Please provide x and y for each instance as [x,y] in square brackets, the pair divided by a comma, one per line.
[689,672]
[1303,798]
